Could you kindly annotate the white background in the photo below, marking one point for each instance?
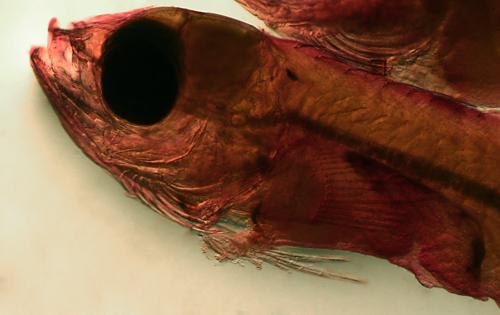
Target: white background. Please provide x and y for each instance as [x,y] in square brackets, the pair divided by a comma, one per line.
[71,242]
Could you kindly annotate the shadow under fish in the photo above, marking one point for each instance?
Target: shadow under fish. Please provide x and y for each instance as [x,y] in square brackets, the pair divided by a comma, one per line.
[259,143]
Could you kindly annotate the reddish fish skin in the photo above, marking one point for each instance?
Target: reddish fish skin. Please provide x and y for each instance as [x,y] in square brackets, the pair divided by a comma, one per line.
[283,145]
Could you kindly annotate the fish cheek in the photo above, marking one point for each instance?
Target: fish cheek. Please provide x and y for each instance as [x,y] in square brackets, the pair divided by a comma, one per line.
[219,56]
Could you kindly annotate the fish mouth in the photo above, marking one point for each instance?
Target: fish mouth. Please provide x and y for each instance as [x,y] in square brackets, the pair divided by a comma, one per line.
[61,82]
[41,60]
[41,65]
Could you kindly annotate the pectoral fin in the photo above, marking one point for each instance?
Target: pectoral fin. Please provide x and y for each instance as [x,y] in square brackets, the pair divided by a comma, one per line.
[324,195]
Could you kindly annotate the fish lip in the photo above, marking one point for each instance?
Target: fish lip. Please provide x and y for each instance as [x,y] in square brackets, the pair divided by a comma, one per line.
[53,67]
[49,66]
[41,63]
[42,67]
[41,54]
[53,25]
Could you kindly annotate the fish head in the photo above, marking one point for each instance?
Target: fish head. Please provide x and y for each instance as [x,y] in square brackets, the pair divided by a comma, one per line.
[179,106]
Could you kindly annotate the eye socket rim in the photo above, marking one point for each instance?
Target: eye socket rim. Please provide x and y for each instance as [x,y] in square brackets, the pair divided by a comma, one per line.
[154,35]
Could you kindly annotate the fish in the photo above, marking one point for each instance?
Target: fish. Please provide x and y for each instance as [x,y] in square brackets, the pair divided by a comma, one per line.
[261,144]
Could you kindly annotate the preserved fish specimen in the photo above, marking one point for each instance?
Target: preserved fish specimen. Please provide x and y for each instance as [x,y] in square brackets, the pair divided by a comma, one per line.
[260,143]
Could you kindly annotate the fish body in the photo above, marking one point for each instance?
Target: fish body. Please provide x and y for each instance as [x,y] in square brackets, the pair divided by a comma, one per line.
[259,142]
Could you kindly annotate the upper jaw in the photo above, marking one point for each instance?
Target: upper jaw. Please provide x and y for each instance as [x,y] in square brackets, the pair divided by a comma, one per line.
[67,64]
[60,76]
[42,67]
[49,63]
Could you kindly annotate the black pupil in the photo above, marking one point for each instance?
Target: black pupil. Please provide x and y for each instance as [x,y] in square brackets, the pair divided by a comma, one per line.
[139,77]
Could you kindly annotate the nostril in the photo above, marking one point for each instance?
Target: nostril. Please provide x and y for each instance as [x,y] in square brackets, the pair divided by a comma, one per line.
[139,72]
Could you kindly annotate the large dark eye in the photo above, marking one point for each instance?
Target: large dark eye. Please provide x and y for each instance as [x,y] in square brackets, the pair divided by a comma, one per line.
[139,71]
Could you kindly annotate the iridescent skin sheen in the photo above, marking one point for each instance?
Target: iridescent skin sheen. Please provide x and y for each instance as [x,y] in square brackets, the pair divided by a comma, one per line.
[269,143]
